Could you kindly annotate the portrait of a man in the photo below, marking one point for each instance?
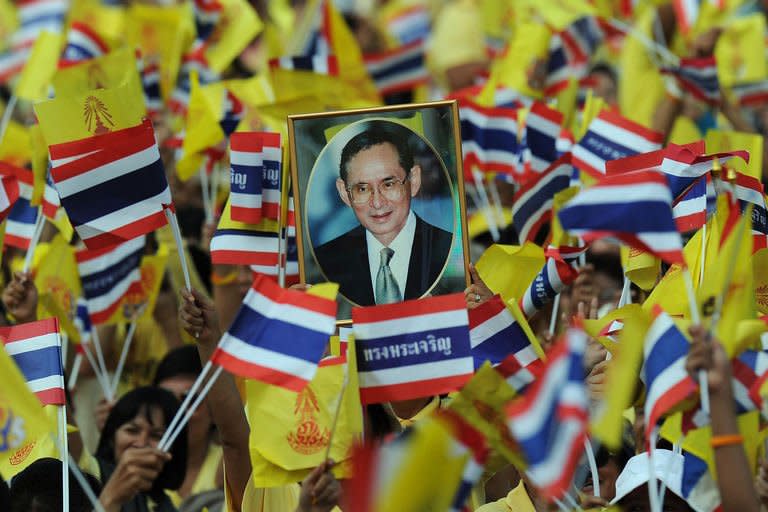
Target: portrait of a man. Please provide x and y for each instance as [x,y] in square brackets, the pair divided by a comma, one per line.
[393,254]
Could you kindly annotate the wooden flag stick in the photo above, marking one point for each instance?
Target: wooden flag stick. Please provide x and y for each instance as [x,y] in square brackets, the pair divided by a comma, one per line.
[174,223]
[187,399]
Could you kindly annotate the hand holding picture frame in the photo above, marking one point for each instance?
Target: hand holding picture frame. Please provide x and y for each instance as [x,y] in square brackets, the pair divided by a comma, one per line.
[379,198]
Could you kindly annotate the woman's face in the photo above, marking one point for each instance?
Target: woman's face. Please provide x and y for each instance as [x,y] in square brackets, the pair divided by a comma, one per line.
[145,430]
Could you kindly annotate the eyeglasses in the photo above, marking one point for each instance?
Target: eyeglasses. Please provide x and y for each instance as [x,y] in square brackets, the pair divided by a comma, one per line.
[391,189]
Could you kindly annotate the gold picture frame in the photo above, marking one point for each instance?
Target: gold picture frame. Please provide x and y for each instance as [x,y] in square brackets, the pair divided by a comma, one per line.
[333,233]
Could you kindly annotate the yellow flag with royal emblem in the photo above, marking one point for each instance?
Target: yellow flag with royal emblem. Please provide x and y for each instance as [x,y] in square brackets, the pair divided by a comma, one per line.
[22,418]
[640,267]
[760,285]
[720,141]
[294,429]
[57,277]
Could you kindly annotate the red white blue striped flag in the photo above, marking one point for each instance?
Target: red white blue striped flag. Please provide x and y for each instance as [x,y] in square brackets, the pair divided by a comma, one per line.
[698,76]
[552,279]
[108,274]
[271,183]
[750,190]
[532,204]
[542,128]
[666,380]
[400,69]
[9,188]
[489,138]
[83,43]
[410,24]
[112,186]
[412,349]
[321,64]
[470,441]
[246,172]
[234,246]
[636,208]
[22,217]
[550,421]
[750,94]
[36,349]
[610,137]
[262,342]
[36,16]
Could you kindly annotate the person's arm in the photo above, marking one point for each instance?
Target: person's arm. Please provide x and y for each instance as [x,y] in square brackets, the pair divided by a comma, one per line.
[199,319]
[734,481]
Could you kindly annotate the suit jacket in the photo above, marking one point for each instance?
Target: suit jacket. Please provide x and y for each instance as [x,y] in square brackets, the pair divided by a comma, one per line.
[344,260]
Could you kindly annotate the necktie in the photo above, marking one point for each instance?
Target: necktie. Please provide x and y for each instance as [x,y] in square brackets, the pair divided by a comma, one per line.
[387,290]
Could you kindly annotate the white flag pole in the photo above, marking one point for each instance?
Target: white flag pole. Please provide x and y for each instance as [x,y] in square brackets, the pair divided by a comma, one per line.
[174,223]
[185,404]
[7,114]
[191,410]
[64,451]
[39,222]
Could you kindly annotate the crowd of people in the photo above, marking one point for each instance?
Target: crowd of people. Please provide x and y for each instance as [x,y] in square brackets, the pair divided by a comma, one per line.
[115,438]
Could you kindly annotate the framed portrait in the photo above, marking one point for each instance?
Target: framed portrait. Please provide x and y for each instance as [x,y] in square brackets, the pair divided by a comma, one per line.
[379,202]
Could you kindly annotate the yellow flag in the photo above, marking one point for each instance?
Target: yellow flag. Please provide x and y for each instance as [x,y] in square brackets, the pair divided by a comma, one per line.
[296,427]
[40,67]
[56,275]
[724,140]
[559,14]
[22,419]
[238,26]
[108,21]
[737,60]
[109,71]
[16,146]
[202,126]
[760,269]
[730,277]
[592,108]
[509,269]
[615,320]
[8,22]
[163,34]
[621,379]
[481,403]
[640,267]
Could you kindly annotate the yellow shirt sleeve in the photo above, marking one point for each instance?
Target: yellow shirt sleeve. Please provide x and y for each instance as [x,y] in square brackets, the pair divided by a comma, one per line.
[517,500]
[272,499]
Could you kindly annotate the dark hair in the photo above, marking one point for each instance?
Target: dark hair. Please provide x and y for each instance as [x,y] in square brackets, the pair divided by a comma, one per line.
[142,401]
[379,133]
[605,69]
[39,488]
[182,361]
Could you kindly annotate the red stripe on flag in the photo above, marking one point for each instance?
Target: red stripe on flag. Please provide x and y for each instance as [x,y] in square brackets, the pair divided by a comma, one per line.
[254,371]
[30,330]
[128,232]
[408,308]
[410,390]
[275,293]
[97,142]
[246,141]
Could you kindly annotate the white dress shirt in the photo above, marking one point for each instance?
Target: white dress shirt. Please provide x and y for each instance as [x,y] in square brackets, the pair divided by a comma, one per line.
[402,245]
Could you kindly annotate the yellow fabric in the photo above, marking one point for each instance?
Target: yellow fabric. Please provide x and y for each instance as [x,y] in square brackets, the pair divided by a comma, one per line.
[457,37]
[640,267]
[57,277]
[509,269]
[39,68]
[723,140]
[295,428]
[516,501]
[16,145]
[22,418]
[272,499]
[594,327]
[640,84]
[206,478]
[148,348]
[760,270]
[39,157]
[737,58]
[9,22]
[684,131]
[106,20]
[428,409]
[239,25]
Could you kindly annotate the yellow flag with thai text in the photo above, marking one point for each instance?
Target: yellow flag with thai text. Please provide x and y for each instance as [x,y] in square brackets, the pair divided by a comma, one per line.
[40,66]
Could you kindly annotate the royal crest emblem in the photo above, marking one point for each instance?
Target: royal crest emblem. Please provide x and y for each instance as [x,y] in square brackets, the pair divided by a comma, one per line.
[96,115]
[308,437]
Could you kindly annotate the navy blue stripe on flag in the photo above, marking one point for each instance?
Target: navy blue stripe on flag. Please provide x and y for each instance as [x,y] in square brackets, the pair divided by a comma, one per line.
[275,335]
[77,52]
[557,60]
[23,212]
[399,66]
[496,348]
[252,180]
[100,283]
[245,232]
[38,364]
[541,289]
[489,138]
[115,194]
[530,207]
[271,178]
[403,349]
[607,149]
[670,347]
[619,216]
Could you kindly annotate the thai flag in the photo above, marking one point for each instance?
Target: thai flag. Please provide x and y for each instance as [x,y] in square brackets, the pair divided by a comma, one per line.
[192,60]
[686,13]
[412,349]
[410,25]
[50,202]
[36,16]
[690,209]
[749,94]
[232,110]
[258,346]
[9,188]
[321,64]
[245,247]
[581,38]
[20,224]
[112,186]
[36,349]
[750,370]
[666,380]
[552,279]
[108,274]
[697,485]
[532,204]
[564,143]
[489,138]
[542,127]
[698,76]
[550,421]
[207,16]
[635,208]
[610,137]
[470,441]
[751,190]
[12,63]
[291,263]
[495,334]
[400,69]
[82,320]
[150,83]
[83,43]
[247,169]
[558,72]
[271,183]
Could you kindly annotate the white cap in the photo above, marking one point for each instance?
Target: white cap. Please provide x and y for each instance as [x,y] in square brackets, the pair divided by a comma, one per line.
[668,468]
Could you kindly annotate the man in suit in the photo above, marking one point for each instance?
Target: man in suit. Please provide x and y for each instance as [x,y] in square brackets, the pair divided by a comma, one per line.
[393,254]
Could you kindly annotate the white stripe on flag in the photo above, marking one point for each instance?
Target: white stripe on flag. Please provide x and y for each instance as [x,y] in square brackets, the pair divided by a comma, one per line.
[526,356]
[250,158]
[624,193]
[245,243]
[32,344]
[50,382]
[20,229]
[668,378]
[622,136]
[103,302]
[246,200]
[108,223]
[530,423]
[593,160]
[489,155]
[489,328]
[410,324]
[481,120]
[289,313]
[267,358]
[416,372]
[103,262]
[551,469]
[662,242]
